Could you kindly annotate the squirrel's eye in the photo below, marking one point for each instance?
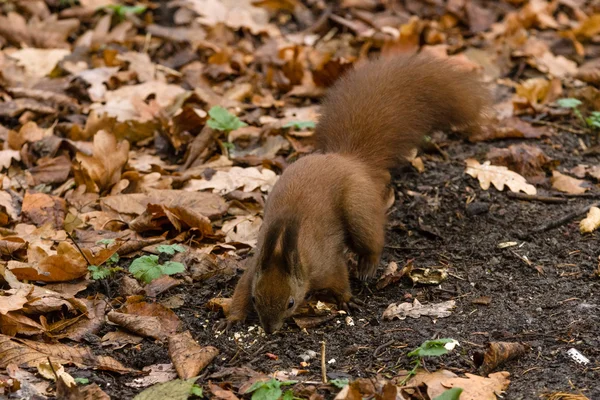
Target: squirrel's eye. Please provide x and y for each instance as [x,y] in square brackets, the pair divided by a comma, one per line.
[253,300]
[291,303]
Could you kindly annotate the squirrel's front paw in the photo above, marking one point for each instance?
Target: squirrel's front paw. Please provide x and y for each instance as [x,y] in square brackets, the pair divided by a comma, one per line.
[226,324]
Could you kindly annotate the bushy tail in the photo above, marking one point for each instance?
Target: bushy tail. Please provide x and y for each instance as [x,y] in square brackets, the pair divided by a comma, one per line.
[379,112]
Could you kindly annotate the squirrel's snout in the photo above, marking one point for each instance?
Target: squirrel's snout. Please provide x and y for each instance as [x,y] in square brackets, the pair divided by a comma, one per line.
[272,327]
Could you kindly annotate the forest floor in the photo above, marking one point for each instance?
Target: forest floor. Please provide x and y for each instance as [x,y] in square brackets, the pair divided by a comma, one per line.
[140,140]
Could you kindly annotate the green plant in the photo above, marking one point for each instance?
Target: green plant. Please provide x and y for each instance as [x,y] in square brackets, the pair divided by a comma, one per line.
[170,249]
[196,391]
[429,348]
[593,121]
[121,10]
[147,268]
[450,394]
[107,269]
[572,104]
[300,125]
[339,383]
[271,390]
[106,242]
[82,381]
[222,120]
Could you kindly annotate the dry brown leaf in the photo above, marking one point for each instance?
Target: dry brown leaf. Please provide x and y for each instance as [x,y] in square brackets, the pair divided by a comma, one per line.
[103,169]
[14,299]
[219,393]
[528,161]
[189,358]
[90,323]
[243,229]
[498,353]
[7,157]
[55,170]
[207,204]
[507,128]
[160,285]
[219,304]
[499,176]
[41,209]
[479,388]
[416,310]
[157,373]
[66,265]
[234,13]
[162,218]
[28,353]
[13,323]
[567,184]
[147,319]
[39,62]
[224,182]
[391,274]
[120,339]
[591,222]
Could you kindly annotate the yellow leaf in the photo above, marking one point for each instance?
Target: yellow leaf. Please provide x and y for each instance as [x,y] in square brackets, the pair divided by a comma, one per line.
[591,222]
[499,176]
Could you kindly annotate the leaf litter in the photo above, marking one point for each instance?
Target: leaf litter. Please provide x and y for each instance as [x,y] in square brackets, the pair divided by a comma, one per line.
[151,125]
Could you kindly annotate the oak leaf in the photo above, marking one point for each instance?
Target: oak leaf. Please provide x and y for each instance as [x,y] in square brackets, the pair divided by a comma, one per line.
[568,184]
[591,222]
[499,176]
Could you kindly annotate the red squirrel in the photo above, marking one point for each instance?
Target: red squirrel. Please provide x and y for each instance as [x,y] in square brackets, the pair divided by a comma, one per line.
[324,203]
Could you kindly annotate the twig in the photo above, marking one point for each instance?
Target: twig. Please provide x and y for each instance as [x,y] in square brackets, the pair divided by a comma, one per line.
[534,197]
[79,248]
[52,368]
[558,222]
[323,365]
[559,126]
[382,346]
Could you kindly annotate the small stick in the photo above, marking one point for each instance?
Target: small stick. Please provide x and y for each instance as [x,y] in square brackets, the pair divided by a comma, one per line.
[534,197]
[78,248]
[556,223]
[391,342]
[323,365]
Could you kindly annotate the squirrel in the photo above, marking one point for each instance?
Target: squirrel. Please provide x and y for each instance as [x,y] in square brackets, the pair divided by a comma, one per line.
[335,199]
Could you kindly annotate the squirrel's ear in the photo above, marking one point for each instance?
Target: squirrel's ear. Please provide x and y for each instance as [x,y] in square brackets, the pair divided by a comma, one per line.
[289,246]
[267,249]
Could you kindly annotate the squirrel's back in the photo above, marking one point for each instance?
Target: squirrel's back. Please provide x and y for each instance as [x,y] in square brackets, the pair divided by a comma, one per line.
[380,111]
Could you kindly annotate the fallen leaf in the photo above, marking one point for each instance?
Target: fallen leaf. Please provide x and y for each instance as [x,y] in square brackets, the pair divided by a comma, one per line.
[39,62]
[13,323]
[392,274]
[103,169]
[498,353]
[416,310]
[120,339]
[591,222]
[54,371]
[7,157]
[247,179]
[428,276]
[174,390]
[41,208]
[189,358]
[219,304]
[14,301]
[221,394]
[567,184]
[147,319]
[55,170]
[480,388]
[528,161]
[207,204]
[243,229]
[234,13]
[513,127]
[157,373]
[499,176]
[28,353]
[66,265]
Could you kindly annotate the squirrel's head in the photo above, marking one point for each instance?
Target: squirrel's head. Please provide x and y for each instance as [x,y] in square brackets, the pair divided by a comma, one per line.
[279,286]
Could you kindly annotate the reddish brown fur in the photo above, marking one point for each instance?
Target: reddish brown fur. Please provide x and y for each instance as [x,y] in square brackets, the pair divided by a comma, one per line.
[325,203]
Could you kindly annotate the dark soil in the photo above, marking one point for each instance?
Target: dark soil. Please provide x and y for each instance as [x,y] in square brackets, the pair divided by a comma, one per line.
[551,311]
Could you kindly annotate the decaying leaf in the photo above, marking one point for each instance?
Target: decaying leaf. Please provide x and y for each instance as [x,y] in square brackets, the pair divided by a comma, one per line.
[157,373]
[567,184]
[28,353]
[474,387]
[103,169]
[498,353]
[499,176]
[416,310]
[189,358]
[247,179]
[591,222]
[392,274]
[175,390]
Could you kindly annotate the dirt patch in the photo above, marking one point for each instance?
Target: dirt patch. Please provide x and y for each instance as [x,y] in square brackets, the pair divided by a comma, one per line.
[432,224]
